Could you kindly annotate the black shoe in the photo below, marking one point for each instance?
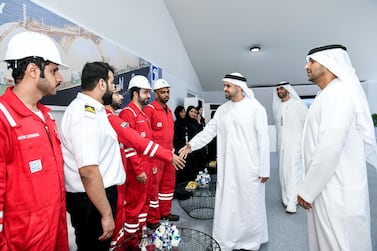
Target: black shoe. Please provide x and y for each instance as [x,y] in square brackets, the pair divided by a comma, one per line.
[132,249]
[153,226]
[182,195]
[171,217]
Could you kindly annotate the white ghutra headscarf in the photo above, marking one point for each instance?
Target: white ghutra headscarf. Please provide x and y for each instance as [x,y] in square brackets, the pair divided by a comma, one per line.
[276,101]
[239,80]
[335,58]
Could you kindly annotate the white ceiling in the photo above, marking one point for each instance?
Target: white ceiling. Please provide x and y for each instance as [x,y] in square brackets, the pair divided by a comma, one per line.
[218,33]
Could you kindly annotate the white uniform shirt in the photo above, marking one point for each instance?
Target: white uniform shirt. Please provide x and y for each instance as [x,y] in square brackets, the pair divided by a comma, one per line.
[88,139]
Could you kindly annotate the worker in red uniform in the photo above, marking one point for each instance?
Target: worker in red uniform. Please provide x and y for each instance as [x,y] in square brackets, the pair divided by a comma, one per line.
[162,123]
[138,166]
[32,193]
[128,139]
[118,234]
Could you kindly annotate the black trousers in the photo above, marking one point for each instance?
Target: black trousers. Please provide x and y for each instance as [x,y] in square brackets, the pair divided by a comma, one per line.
[86,220]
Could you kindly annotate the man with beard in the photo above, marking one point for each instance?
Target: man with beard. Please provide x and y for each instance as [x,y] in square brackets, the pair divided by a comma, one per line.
[289,114]
[139,167]
[338,139]
[92,161]
[162,123]
[243,166]
[131,143]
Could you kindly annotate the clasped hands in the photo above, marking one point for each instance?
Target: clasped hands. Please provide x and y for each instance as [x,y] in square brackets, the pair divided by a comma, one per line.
[179,161]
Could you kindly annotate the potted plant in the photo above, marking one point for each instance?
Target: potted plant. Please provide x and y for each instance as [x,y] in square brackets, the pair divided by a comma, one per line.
[374,118]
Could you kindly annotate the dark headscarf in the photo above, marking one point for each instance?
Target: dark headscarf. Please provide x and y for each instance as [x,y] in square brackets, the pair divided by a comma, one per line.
[177,111]
[193,125]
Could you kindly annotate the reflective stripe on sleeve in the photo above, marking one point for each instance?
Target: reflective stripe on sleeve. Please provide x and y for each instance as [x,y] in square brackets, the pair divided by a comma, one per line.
[148,148]
[130,152]
[7,115]
[1,220]
[154,150]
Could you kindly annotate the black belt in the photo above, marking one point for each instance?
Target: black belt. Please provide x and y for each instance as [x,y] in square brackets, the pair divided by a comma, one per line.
[84,195]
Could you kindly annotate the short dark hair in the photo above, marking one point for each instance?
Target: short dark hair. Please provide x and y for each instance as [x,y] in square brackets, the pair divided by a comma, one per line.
[93,72]
[19,66]
[134,89]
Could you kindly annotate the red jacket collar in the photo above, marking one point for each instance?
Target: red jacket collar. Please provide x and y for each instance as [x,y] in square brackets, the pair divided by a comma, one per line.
[18,106]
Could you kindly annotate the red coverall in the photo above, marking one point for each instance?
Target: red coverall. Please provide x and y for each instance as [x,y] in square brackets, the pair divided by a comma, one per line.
[131,140]
[32,193]
[162,124]
[136,199]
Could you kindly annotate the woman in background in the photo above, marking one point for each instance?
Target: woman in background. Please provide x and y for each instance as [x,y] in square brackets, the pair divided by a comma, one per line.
[200,117]
[180,138]
[180,128]
[196,161]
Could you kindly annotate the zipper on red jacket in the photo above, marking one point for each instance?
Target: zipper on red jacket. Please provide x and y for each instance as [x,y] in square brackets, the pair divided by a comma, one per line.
[48,135]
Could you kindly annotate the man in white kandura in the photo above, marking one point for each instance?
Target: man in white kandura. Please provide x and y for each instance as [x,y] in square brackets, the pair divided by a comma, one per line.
[289,114]
[243,166]
[338,139]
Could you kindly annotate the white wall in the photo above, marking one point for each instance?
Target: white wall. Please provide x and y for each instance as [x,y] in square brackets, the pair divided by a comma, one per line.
[141,27]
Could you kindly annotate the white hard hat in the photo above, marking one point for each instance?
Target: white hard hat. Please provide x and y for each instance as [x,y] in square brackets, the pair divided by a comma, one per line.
[33,44]
[160,83]
[139,81]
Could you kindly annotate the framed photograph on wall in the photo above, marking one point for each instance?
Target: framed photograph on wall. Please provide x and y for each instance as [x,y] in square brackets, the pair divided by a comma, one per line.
[76,45]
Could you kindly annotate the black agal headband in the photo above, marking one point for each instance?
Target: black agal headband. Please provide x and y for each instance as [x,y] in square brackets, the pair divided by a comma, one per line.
[282,83]
[327,47]
[235,77]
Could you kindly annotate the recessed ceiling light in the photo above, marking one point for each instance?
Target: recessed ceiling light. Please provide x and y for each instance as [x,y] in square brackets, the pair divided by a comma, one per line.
[254,49]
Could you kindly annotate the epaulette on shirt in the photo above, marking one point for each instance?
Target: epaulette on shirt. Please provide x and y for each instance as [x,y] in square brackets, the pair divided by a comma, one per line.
[90,111]
[89,108]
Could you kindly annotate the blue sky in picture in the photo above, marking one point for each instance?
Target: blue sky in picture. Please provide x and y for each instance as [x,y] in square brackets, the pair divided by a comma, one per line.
[13,11]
